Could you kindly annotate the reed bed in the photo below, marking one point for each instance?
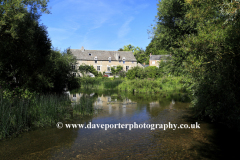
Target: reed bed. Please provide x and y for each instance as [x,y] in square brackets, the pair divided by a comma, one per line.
[18,115]
[164,84]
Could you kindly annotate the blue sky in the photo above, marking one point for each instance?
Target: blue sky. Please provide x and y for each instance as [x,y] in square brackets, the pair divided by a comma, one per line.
[99,24]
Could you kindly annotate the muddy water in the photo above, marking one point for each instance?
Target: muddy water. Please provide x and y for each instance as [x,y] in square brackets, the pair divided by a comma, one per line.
[211,141]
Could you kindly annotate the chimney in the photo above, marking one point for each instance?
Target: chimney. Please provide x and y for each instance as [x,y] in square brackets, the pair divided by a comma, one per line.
[82,49]
[144,63]
[150,54]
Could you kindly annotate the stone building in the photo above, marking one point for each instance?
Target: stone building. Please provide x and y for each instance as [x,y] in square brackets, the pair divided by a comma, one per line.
[103,60]
[154,60]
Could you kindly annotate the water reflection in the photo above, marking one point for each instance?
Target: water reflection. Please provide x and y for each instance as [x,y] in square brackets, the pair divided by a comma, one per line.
[124,108]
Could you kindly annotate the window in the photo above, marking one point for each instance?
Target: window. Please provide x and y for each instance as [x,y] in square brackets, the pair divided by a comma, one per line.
[108,68]
[95,58]
[115,67]
[90,54]
[123,59]
[127,68]
[109,59]
[153,62]
[74,74]
[132,62]
[73,67]
[98,68]
[74,95]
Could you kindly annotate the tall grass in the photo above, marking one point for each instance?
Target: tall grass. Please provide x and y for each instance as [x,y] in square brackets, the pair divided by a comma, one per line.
[18,115]
[100,83]
[136,85]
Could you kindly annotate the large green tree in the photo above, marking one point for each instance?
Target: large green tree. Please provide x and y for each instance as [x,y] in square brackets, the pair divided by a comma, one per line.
[60,68]
[26,57]
[23,58]
[212,58]
[139,53]
[13,13]
[170,28]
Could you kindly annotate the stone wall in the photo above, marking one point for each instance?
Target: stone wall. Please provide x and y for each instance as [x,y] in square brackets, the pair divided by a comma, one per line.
[105,64]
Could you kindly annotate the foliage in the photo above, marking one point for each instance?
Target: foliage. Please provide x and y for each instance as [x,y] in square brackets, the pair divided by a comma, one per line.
[100,74]
[203,38]
[139,85]
[153,85]
[148,72]
[13,14]
[88,69]
[117,70]
[130,48]
[24,60]
[139,53]
[213,59]
[135,72]
[152,72]
[170,28]
[60,66]
[122,74]
[22,114]
[141,57]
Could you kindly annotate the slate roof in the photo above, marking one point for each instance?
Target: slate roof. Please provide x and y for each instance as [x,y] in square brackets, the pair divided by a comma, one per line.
[102,55]
[159,57]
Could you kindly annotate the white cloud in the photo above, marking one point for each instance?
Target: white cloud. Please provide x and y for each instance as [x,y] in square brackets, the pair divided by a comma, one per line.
[125,28]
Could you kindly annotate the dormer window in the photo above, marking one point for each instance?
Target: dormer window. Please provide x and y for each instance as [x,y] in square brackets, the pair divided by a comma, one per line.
[119,57]
[95,58]
[123,60]
[90,54]
[109,59]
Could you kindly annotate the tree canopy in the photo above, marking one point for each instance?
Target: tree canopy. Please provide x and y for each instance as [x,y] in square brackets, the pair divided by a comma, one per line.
[139,53]
[203,38]
[27,59]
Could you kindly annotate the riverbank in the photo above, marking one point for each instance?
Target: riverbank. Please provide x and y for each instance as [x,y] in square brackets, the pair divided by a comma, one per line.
[20,115]
[148,85]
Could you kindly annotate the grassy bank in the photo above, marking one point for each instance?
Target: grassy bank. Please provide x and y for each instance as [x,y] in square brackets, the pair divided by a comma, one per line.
[18,115]
[164,84]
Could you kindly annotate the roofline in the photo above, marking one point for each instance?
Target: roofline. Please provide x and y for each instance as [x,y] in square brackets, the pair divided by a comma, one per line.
[107,60]
[102,50]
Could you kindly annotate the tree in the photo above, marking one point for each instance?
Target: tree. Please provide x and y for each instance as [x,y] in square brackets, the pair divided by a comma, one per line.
[141,57]
[129,47]
[120,49]
[139,53]
[88,69]
[13,12]
[212,58]
[24,56]
[170,28]
[60,67]
[117,70]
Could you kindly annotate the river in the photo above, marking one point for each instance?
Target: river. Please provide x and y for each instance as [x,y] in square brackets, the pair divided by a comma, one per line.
[205,141]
